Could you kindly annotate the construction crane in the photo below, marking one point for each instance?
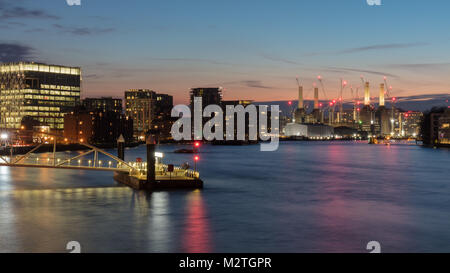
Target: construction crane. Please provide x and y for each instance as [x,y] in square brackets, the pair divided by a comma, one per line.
[331,105]
[341,100]
[355,97]
[319,78]
[388,88]
[363,80]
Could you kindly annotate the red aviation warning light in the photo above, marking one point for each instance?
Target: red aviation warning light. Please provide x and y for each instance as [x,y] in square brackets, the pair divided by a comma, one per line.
[196,144]
[290,102]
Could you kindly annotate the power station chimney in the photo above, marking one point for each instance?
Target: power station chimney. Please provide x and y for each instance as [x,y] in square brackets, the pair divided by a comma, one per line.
[300,97]
[381,95]
[316,98]
[367,94]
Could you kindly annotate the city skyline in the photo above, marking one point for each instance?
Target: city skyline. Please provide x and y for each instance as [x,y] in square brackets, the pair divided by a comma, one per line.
[254,50]
[247,129]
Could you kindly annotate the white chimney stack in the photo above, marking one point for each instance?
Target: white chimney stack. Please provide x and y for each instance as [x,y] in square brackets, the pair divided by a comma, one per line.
[300,97]
[381,94]
[316,98]
[367,94]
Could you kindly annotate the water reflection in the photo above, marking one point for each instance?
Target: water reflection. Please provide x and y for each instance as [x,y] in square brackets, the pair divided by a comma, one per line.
[196,233]
[305,197]
[355,209]
[160,225]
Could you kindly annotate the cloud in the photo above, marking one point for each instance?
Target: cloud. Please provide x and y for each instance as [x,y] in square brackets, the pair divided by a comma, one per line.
[255,84]
[370,48]
[190,60]
[10,52]
[21,13]
[82,31]
[379,47]
[419,66]
[279,59]
[335,69]
[34,30]
[441,96]
[247,83]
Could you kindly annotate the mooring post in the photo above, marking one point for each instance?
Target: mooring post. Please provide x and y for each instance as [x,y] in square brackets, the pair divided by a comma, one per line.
[54,151]
[151,143]
[121,147]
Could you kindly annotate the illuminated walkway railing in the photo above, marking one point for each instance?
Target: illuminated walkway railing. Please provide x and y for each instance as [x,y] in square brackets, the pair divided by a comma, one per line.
[109,162]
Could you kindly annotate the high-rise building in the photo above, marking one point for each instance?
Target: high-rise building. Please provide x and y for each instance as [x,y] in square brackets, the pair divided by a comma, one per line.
[148,110]
[162,120]
[444,128]
[410,123]
[104,104]
[138,106]
[209,96]
[41,91]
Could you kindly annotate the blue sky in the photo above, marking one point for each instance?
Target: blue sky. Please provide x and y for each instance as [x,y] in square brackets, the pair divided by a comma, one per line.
[254,49]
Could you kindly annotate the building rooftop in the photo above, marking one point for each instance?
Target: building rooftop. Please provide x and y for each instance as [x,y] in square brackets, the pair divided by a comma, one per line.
[39,67]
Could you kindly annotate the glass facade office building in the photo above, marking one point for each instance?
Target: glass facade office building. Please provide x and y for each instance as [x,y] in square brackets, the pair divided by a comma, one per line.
[43,92]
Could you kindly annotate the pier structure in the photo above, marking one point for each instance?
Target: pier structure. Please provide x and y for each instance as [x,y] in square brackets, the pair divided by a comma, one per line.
[140,175]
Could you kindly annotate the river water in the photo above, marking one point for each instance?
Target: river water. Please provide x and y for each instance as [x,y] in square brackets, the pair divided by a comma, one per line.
[305,197]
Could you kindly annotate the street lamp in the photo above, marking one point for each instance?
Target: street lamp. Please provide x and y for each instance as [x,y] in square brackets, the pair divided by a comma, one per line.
[196,158]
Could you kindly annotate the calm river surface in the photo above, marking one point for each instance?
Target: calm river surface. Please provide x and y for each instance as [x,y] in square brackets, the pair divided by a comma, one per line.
[305,197]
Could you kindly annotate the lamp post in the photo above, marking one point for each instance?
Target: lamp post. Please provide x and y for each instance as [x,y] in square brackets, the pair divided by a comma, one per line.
[196,158]
[150,143]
